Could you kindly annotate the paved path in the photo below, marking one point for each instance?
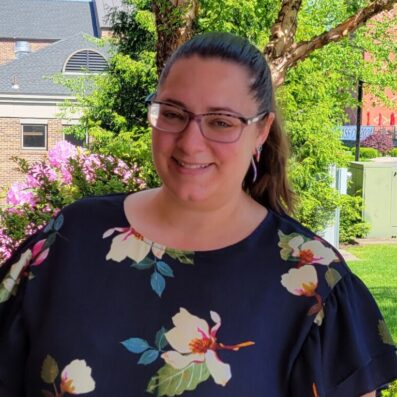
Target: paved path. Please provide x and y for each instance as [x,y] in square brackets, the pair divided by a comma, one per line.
[364,241]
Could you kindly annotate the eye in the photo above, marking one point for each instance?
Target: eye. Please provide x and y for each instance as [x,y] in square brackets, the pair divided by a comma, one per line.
[221,123]
[169,114]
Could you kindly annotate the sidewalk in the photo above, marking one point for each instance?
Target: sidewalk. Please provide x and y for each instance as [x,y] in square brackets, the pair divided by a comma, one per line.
[347,256]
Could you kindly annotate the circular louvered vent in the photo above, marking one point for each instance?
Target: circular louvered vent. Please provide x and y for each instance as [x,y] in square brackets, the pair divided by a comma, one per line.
[86,61]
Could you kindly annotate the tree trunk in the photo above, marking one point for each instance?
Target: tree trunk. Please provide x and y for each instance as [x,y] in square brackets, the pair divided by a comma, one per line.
[282,52]
[175,25]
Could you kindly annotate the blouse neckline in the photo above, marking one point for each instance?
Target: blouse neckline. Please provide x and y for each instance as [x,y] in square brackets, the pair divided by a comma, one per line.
[231,247]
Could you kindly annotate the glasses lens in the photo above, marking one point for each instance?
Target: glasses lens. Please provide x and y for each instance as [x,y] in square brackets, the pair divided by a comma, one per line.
[221,127]
[167,117]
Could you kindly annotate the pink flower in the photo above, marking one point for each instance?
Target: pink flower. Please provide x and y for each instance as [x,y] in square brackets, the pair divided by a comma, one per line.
[19,195]
[66,175]
[60,154]
[39,174]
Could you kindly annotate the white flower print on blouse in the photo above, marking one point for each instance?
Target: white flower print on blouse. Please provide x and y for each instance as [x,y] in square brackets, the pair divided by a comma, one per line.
[144,254]
[192,359]
[302,280]
[75,378]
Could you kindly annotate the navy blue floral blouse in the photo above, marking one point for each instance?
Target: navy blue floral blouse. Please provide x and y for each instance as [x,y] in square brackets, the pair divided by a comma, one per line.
[90,306]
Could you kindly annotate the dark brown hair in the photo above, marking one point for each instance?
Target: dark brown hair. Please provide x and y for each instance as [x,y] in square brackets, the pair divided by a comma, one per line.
[271,187]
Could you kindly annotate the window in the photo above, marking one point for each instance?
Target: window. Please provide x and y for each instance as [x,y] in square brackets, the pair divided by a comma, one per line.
[34,136]
[85,61]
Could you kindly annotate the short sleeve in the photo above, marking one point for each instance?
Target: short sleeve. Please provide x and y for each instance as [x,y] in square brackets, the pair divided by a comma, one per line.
[13,338]
[348,354]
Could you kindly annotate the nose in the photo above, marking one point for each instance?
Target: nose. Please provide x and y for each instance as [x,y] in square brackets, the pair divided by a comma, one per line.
[191,137]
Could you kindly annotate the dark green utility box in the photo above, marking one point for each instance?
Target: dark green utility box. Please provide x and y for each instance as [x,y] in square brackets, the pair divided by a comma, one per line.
[377,180]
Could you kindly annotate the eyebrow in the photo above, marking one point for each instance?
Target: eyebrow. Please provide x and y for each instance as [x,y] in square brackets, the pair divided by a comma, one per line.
[211,109]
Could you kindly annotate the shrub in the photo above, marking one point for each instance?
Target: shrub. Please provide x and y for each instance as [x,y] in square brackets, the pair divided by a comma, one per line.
[67,175]
[367,152]
[393,152]
[381,142]
[351,223]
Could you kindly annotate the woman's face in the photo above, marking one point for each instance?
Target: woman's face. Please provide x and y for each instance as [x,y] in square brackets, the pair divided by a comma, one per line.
[194,169]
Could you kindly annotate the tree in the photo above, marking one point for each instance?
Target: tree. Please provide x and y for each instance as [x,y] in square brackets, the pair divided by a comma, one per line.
[174,18]
[315,58]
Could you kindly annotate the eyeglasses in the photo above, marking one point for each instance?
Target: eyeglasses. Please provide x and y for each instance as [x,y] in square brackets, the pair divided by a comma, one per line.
[217,127]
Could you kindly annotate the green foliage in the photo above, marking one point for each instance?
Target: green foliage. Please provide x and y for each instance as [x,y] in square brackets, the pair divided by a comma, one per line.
[248,18]
[315,94]
[352,225]
[391,391]
[367,152]
[134,29]
[393,152]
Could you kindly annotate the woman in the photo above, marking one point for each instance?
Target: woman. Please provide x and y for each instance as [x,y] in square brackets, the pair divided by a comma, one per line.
[204,286]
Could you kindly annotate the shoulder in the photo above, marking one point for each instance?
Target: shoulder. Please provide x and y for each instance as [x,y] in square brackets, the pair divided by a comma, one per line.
[94,208]
[313,267]
[299,242]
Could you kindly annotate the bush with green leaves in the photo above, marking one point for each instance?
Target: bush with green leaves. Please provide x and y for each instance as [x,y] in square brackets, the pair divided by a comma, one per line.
[367,153]
[393,152]
[352,225]
[68,174]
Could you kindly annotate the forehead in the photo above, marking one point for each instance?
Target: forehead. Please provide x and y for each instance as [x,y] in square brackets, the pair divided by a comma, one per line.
[208,82]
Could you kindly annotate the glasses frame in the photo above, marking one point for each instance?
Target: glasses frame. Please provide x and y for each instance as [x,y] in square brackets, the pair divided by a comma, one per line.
[198,117]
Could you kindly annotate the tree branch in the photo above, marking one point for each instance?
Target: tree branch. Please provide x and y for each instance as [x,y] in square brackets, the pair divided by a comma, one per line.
[175,25]
[282,34]
[299,51]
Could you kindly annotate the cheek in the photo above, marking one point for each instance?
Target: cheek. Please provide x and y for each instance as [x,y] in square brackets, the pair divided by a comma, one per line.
[161,145]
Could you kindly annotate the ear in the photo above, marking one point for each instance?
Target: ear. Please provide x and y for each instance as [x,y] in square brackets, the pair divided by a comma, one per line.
[263,130]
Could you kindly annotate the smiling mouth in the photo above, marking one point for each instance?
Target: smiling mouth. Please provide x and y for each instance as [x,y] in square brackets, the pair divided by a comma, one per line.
[191,166]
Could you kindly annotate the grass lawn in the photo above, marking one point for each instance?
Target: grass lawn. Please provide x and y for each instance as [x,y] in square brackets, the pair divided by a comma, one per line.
[377,267]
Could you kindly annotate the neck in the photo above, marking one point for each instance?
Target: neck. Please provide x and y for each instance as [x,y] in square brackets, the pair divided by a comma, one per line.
[195,221]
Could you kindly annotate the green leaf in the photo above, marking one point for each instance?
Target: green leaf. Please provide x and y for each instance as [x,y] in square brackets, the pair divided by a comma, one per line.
[146,263]
[185,257]
[49,370]
[161,341]
[4,294]
[333,277]
[384,333]
[173,382]
[50,240]
[284,240]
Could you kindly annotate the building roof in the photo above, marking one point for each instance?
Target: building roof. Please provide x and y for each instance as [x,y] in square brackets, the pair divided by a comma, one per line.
[104,7]
[32,72]
[46,19]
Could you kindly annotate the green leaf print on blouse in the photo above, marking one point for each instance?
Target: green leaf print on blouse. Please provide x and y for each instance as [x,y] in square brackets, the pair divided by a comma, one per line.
[385,333]
[75,378]
[302,280]
[28,259]
[193,356]
[145,254]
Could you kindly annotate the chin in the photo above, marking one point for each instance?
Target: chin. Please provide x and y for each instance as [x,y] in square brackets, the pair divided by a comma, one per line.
[190,195]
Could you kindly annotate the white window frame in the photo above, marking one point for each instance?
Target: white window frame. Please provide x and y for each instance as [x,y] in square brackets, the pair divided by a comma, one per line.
[34,147]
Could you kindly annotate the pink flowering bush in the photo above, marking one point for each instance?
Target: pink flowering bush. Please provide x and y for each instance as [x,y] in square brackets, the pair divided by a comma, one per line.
[68,174]
[381,142]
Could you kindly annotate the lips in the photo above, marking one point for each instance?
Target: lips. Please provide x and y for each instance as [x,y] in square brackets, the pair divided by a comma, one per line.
[192,166]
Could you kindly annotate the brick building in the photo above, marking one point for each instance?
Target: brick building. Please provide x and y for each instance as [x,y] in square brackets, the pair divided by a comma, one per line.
[376,117]
[40,38]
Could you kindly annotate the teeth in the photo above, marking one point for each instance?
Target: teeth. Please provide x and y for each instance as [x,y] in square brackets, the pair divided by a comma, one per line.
[192,166]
